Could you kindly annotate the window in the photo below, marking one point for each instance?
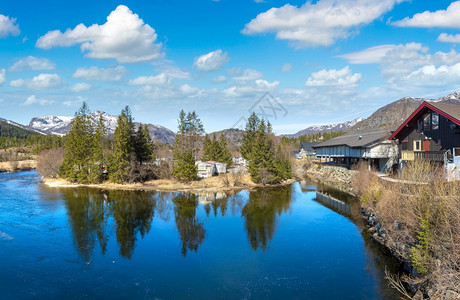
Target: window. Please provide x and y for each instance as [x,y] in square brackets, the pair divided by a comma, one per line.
[418,145]
[419,125]
[426,122]
[438,142]
[434,121]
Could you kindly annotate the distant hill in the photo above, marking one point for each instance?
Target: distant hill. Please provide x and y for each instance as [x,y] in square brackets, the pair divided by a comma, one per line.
[60,125]
[392,115]
[233,136]
[324,128]
[14,130]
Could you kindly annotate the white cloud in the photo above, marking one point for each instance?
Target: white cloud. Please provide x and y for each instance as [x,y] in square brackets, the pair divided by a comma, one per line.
[286,67]
[166,77]
[248,74]
[219,79]
[8,26]
[95,73]
[448,18]
[211,61]
[320,23]
[250,88]
[2,76]
[124,37]
[431,75]
[449,38]
[40,82]
[80,87]
[32,63]
[342,77]
[369,55]
[160,79]
[34,100]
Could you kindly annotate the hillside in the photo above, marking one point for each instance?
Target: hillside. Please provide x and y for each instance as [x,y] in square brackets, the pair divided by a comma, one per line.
[324,128]
[14,130]
[233,136]
[60,125]
[393,114]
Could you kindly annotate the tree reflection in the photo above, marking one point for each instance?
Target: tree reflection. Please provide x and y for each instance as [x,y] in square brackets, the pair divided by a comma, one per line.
[191,231]
[261,213]
[89,211]
[88,215]
[133,213]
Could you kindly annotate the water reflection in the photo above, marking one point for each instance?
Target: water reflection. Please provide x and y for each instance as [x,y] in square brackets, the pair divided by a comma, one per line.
[133,213]
[191,230]
[261,212]
[89,211]
[88,215]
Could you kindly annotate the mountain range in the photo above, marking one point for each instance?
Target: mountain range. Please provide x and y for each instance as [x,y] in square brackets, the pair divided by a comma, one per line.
[389,116]
[60,125]
[325,128]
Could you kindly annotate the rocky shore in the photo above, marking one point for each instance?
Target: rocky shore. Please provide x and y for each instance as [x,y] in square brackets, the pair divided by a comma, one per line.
[341,178]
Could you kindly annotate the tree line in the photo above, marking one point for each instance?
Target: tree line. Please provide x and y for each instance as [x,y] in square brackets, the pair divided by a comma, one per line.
[91,156]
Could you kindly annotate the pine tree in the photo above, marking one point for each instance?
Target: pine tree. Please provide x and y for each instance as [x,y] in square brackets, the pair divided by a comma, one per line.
[76,165]
[123,147]
[225,154]
[143,146]
[207,149]
[252,125]
[97,160]
[189,134]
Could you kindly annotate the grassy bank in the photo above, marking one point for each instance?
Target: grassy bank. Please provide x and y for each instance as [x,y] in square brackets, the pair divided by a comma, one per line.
[420,223]
[221,183]
[13,166]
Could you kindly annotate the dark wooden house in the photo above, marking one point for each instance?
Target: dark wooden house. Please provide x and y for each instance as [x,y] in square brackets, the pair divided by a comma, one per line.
[432,132]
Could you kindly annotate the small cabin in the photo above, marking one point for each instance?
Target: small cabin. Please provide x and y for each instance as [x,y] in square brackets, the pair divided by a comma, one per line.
[210,168]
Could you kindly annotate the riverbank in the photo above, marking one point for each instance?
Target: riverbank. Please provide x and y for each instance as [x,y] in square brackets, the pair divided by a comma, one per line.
[21,165]
[395,211]
[336,176]
[216,184]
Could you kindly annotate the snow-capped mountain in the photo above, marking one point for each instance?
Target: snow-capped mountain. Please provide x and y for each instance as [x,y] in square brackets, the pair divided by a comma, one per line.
[60,125]
[325,128]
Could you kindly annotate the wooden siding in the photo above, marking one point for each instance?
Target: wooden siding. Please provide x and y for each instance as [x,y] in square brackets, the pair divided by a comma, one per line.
[383,150]
[448,135]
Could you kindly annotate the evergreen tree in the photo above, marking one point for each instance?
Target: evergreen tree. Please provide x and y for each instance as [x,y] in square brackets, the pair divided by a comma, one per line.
[249,135]
[225,154]
[123,147]
[97,161]
[143,146]
[189,134]
[207,149]
[262,166]
[77,157]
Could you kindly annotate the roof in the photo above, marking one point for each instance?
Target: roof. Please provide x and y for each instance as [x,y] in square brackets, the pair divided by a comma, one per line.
[449,111]
[308,146]
[357,139]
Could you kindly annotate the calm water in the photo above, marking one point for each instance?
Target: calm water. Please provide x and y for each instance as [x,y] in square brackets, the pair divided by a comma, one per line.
[273,244]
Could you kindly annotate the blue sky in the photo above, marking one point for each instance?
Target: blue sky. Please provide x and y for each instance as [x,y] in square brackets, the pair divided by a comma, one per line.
[322,61]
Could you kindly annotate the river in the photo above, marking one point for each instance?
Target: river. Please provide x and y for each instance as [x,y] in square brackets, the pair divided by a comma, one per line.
[275,243]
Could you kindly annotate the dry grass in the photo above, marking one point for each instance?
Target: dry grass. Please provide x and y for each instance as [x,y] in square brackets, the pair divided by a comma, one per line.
[421,220]
[11,166]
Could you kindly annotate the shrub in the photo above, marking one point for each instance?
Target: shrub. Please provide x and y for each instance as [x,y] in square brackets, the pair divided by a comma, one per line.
[49,162]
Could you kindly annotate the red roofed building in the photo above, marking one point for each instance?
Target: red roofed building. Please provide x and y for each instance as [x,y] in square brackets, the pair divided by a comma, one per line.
[432,132]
